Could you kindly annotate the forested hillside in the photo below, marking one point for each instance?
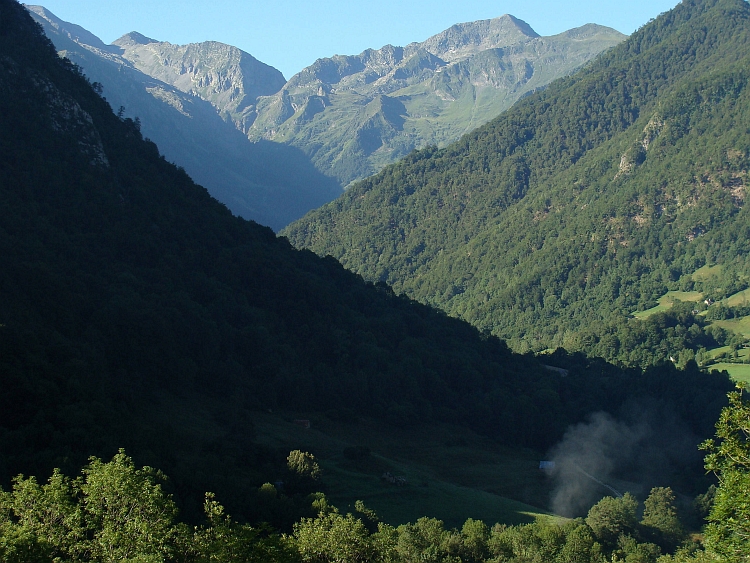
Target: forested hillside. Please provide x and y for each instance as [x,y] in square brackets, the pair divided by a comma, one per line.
[581,205]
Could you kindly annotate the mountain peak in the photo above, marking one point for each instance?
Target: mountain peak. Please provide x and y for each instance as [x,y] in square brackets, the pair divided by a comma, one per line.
[589,30]
[134,38]
[464,39]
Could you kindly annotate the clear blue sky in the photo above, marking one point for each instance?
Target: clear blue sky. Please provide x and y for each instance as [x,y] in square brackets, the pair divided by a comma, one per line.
[292,34]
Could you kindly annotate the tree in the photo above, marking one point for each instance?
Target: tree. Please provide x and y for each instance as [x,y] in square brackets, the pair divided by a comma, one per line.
[303,464]
[333,538]
[660,517]
[303,472]
[224,541]
[611,517]
[423,542]
[474,537]
[49,514]
[126,511]
[728,533]
[579,544]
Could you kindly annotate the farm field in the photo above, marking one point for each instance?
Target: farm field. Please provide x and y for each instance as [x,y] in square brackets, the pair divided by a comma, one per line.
[740,326]
[738,299]
[714,353]
[738,372]
[707,272]
[667,300]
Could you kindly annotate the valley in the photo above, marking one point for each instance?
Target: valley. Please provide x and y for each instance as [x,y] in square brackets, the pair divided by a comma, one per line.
[451,474]
[182,384]
[581,205]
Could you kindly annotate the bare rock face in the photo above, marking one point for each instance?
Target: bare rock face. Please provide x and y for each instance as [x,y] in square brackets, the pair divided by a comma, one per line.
[465,39]
[443,87]
[193,101]
[227,77]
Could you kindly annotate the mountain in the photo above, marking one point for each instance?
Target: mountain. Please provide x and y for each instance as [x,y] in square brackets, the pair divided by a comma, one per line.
[348,115]
[138,312]
[225,76]
[354,114]
[177,106]
[551,225]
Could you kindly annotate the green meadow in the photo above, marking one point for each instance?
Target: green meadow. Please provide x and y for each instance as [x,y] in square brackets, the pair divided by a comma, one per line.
[667,300]
[451,473]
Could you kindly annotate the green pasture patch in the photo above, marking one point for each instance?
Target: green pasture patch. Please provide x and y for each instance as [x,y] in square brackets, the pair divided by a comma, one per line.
[717,353]
[451,473]
[423,496]
[667,300]
[706,272]
[738,299]
[740,326]
[738,372]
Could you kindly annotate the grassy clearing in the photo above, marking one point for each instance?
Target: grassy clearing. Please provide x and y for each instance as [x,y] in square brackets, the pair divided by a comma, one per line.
[452,474]
[738,299]
[706,272]
[667,300]
[740,326]
[738,372]
[714,353]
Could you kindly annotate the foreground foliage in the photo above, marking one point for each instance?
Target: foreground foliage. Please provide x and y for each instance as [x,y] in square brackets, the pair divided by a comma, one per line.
[115,512]
[728,532]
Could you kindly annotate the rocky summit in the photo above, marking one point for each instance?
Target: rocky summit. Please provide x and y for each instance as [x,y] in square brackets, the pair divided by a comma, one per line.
[191,100]
[355,114]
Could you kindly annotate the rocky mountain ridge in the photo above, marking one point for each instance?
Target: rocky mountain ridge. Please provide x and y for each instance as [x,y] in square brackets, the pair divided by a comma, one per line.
[227,77]
[438,90]
[172,111]
[340,119]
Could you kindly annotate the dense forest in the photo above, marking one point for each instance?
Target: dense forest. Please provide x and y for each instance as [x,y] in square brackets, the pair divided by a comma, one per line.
[138,313]
[579,206]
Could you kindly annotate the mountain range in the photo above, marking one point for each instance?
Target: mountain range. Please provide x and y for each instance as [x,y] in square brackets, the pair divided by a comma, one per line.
[334,122]
[187,124]
[355,114]
[555,223]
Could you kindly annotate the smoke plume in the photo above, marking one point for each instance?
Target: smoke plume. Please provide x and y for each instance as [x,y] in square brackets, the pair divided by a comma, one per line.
[607,457]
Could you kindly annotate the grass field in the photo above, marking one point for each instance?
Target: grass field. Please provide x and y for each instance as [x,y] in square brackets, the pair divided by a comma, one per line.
[738,372]
[738,299]
[741,325]
[742,354]
[452,474]
[706,272]
[667,300]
